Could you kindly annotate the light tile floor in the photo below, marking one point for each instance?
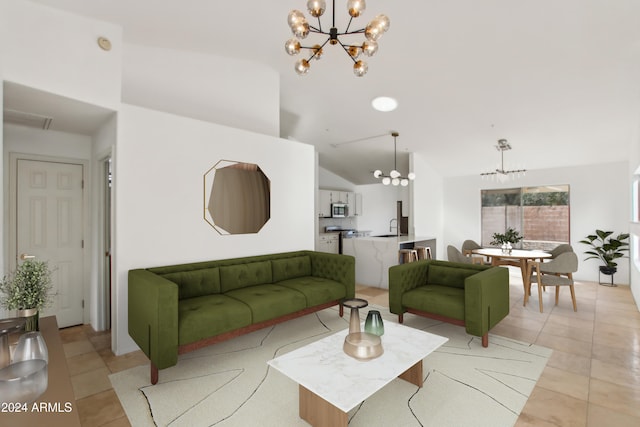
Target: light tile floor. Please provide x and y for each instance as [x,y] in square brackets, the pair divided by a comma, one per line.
[591,380]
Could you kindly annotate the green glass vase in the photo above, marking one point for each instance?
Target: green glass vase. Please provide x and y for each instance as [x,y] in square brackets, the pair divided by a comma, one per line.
[373,324]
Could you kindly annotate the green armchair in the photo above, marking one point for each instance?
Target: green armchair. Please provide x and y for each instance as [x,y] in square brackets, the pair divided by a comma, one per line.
[469,295]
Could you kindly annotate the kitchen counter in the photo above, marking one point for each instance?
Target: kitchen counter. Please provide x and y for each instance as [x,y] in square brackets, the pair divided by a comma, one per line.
[375,254]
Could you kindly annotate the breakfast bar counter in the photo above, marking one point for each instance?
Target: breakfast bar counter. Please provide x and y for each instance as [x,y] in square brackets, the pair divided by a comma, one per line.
[375,254]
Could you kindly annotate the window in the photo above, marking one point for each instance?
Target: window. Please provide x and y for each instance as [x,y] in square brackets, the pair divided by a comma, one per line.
[540,214]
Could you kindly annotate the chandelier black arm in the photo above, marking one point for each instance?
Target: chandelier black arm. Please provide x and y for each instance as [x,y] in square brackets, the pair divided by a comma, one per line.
[316,50]
[313,29]
[344,47]
[349,24]
[347,33]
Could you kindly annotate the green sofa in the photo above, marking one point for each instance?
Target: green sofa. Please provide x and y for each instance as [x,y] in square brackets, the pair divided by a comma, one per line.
[469,295]
[180,308]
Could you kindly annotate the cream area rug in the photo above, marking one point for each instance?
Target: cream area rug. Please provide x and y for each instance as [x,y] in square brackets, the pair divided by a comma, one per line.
[230,383]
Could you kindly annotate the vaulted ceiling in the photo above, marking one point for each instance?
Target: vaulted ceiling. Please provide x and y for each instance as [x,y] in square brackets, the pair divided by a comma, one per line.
[560,80]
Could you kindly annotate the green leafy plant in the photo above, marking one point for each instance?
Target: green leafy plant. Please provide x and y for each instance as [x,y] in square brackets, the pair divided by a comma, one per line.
[606,248]
[510,236]
[28,287]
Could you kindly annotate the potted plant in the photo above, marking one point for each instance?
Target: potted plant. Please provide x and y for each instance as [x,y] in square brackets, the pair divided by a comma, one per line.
[508,239]
[607,249]
[27,290]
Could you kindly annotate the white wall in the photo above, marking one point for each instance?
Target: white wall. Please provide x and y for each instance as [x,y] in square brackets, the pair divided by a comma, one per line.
[231,92]
[57,52]
[598,195]
[104,141]
[158,182]
[634,228]
[427,203]
[379,207]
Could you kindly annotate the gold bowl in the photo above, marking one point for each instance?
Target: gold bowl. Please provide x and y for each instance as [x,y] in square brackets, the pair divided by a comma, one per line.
[363,346]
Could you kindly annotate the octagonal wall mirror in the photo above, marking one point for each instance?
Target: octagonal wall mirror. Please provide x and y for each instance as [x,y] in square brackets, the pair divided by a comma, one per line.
[237,197]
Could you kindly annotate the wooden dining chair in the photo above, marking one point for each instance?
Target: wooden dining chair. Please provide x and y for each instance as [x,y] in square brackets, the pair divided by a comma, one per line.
[560,249]
[557,272]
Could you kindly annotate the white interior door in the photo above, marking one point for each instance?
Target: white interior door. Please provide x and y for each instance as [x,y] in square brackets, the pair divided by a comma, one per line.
[49,218]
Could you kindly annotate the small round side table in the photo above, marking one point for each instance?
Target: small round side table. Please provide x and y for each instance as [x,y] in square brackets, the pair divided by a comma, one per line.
[355,304]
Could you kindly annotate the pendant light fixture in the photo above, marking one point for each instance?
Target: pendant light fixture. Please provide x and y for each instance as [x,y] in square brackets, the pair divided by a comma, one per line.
[500,174]
[394,177]
[301,28]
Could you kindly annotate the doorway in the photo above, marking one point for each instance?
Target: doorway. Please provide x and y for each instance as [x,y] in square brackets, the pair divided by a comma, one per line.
[47,221]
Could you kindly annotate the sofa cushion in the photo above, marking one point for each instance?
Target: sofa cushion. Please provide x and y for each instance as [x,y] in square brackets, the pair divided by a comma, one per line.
[443,300]
[196,283]
[290,268]
[242,275]
[316,289]
[269,301]
[449,276]
[210,315]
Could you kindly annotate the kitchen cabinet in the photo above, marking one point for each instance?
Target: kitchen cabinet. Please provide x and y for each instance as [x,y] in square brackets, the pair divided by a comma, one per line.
[328,243]
[324,204]
[327,197]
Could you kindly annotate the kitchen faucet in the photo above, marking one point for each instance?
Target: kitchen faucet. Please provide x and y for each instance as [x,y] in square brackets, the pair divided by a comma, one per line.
[391,226]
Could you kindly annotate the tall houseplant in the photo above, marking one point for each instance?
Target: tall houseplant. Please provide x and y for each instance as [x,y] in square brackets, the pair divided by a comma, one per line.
[27,290]
[607,249]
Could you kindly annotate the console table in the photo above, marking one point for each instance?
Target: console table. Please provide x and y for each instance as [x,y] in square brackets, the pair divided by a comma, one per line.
[57,405]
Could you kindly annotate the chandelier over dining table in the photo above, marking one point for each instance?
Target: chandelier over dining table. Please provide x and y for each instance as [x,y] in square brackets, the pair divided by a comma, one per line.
[300,27]
[500,173]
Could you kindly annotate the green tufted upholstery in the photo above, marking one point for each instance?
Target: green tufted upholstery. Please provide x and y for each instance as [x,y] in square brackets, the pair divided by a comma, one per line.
[196,283]
[291,268]
[201,317]
[178,306]
[243,275]
[474,295]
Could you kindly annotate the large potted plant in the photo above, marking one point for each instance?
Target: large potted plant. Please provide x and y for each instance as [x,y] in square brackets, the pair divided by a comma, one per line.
[607,249]
[27,290]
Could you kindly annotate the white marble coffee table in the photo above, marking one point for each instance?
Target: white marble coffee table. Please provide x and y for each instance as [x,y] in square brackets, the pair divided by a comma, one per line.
[332,383]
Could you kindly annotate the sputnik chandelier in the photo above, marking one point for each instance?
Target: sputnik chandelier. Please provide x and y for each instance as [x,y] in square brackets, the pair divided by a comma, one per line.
[394,177]
[301,29]
[500,174]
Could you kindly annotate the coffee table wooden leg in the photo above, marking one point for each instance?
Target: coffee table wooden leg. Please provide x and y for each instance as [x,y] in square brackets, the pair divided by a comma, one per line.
[413,374]
[318,412]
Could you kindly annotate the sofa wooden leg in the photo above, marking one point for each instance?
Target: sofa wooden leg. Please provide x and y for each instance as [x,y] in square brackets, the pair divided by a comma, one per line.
[154,373]
[341,310]
[485,340]
[400,318]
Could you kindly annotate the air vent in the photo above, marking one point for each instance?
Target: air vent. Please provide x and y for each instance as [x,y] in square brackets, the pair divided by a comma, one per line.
[27,119]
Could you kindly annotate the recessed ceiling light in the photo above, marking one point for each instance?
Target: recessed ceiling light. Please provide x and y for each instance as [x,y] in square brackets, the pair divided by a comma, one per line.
[384,103]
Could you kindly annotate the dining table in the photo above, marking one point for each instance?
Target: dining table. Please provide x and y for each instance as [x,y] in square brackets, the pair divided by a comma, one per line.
[516,257]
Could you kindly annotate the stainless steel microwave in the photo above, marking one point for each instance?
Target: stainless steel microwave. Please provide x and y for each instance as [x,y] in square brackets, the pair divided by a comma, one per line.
[339,210]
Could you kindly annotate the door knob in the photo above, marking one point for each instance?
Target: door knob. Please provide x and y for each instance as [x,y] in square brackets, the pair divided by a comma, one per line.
[25,256]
